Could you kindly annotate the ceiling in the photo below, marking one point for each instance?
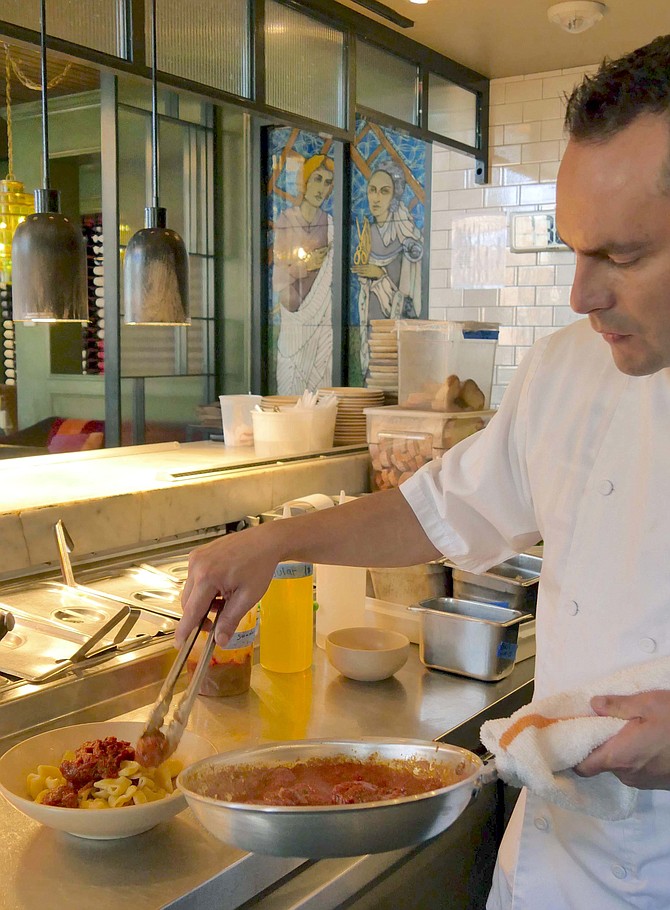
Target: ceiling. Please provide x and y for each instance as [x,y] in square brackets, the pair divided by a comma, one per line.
[514,37]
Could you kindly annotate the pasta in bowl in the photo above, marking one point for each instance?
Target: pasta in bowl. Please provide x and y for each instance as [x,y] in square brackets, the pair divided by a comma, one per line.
[126,799]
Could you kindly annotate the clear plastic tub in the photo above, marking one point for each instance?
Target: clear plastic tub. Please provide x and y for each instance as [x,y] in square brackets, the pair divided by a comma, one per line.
[402,440]
[445,366]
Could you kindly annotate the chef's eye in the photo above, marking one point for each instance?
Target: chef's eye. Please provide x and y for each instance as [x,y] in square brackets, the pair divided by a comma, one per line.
[622,263]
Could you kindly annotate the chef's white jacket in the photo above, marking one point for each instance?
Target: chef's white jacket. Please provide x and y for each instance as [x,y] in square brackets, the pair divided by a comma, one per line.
[578,455]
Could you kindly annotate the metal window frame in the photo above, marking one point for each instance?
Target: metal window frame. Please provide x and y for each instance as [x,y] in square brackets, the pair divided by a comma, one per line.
[351,23]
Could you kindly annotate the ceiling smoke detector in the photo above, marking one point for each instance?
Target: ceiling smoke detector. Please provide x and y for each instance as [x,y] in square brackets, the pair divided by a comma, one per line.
[576,16]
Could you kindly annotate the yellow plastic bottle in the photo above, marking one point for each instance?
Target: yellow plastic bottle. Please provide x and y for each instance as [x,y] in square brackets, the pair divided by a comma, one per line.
[287,619]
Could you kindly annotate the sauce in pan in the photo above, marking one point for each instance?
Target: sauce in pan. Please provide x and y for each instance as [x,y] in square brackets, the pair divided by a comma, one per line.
[334,781]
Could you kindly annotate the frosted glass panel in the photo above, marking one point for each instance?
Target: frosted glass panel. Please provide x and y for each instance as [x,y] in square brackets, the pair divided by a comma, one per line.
[452,110]
[206,42]
[386,83]
[304,65]
[100,25]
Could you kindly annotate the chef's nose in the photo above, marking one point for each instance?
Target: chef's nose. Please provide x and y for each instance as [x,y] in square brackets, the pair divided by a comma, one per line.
[590,287]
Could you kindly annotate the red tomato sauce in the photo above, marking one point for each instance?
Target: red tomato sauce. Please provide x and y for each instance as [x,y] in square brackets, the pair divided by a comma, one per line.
[327,781]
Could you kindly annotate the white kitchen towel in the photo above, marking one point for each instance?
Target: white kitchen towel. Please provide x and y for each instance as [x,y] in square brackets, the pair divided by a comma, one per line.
[538,746]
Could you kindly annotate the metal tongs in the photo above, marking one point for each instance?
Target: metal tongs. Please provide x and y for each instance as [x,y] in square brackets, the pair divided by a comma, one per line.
[174,730]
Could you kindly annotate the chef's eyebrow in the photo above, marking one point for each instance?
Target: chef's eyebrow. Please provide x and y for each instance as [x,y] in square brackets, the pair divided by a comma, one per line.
[608,248]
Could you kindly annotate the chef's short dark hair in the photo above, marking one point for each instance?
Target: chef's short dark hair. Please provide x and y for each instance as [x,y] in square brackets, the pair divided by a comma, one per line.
[621,90]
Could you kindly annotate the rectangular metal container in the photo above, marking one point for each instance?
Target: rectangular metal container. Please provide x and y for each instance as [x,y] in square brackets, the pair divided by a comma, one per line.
[472,639]
[512,583]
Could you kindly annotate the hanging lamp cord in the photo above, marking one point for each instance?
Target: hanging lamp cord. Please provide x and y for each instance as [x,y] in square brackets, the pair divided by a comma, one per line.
[12,65]
[154,106]
[45,112]
[8,108]
[26,80]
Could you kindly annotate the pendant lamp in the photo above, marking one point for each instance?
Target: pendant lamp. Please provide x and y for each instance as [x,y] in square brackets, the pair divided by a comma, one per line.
[48,250]
[156,262]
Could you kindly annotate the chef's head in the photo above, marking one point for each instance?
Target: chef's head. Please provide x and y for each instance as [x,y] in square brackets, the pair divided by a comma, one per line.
[613,205]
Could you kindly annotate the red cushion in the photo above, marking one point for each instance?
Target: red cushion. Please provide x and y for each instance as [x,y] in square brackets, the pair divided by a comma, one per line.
[69,434]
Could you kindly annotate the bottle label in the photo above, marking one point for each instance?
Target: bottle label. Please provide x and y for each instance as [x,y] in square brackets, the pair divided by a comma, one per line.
[242,639]
[294,570]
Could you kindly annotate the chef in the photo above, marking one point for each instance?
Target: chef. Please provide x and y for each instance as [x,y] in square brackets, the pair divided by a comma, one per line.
[579,456]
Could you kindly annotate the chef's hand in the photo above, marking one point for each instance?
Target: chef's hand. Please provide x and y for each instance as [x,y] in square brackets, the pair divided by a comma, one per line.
[639,755]
[238,568]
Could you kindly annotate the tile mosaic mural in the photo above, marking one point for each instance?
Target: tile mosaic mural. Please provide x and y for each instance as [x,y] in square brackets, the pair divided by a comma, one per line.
[300,239]
[387,224]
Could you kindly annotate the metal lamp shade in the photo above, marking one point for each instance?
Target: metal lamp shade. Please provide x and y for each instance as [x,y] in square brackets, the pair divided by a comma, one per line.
[49,270]
[156,278]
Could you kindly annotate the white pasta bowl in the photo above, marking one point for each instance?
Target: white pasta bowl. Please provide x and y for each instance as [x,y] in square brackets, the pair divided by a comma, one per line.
[367,653]
[99,824]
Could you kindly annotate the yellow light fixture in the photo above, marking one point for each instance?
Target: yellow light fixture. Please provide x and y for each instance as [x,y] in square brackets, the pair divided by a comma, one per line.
[15,203]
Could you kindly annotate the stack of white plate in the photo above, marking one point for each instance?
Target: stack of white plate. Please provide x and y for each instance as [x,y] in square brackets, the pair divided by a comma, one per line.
[350,424]
[270,402]
[383,367]
[209,415]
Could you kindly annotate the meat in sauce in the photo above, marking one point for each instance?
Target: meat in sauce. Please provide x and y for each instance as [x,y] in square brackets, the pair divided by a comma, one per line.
[65,796]
[327,781]
[152,749]
[95,760]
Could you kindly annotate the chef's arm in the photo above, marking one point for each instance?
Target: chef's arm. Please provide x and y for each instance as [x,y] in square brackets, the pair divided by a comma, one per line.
[639,755]
[376,530]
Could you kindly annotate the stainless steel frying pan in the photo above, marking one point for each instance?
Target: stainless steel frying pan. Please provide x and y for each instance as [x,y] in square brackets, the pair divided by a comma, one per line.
[317,832]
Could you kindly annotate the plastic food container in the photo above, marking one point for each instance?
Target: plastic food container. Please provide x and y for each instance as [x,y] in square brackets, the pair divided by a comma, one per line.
[236,418]
[468,638]
[512,583]
[402,440]
[294,431]
[393,616]
[446,366]
[408,584]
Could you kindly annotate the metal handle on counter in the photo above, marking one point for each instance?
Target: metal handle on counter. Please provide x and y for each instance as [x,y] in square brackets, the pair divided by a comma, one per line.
[65,547]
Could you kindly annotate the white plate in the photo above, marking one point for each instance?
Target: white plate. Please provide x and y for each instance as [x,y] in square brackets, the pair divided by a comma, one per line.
[97,824]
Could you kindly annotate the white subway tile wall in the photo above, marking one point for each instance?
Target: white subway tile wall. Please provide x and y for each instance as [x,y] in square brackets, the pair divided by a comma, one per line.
[527,141]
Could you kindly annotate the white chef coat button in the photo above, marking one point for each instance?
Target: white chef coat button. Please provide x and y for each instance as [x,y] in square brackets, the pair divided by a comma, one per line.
[648,645]
[605,487]
[541,823]
[618,871]
[573,608]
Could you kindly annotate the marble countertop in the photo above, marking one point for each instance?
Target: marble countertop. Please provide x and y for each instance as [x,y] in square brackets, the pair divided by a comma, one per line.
[124,499]
[42,480]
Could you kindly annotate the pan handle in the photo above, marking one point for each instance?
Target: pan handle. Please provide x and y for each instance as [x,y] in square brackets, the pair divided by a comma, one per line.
[489,772]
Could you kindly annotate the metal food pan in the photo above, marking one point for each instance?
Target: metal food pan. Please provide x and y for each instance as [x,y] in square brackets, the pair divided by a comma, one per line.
[469,638]
[35,647]
[144,588]
[317,832]
[512,583]
[80,611]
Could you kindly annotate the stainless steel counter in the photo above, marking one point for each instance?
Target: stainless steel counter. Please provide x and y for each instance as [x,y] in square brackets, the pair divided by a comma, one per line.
[179,865]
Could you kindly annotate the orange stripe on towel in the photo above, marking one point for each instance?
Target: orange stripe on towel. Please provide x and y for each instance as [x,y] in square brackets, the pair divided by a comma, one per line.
[529,720]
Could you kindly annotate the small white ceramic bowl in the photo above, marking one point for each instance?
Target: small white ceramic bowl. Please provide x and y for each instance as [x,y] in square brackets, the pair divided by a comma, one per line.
[98,824]
[366,653]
